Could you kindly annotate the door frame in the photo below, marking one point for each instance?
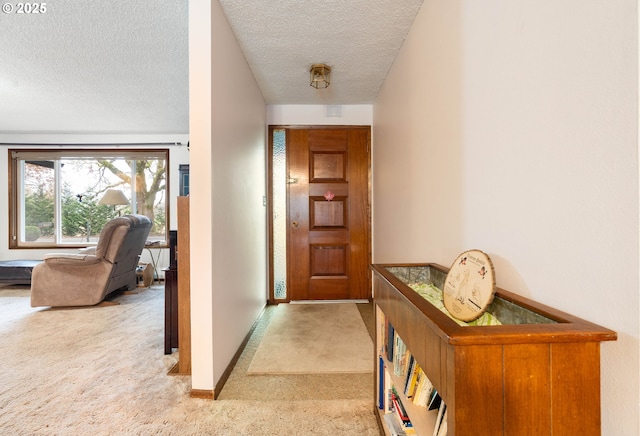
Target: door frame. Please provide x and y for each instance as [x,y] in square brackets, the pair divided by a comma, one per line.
[269,197]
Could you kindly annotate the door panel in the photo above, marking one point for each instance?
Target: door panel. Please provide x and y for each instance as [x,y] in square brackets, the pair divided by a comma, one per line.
[298,224]
[328,166]
[328,214]
[328,236]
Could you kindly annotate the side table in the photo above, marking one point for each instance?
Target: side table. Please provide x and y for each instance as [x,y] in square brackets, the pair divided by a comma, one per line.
[154,260]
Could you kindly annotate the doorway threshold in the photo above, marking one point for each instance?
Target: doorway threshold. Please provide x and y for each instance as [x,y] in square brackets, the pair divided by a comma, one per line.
[327,301]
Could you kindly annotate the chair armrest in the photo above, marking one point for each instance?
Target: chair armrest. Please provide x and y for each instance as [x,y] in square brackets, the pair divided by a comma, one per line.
[70,259]
[88,250]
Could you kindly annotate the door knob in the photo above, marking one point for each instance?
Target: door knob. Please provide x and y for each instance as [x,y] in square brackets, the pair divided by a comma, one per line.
[294,223]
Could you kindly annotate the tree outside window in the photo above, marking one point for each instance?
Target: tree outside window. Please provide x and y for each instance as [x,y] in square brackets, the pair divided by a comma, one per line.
[56,197]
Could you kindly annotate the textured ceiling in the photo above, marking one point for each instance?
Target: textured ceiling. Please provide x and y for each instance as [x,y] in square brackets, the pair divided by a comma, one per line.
[96,66]
[122,65]
[359,39]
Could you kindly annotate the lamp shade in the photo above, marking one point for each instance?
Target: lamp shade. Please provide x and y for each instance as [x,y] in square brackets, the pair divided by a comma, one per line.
[114,197]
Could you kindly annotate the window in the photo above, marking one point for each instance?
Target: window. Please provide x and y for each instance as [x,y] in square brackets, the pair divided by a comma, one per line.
[58,196]
[279,213]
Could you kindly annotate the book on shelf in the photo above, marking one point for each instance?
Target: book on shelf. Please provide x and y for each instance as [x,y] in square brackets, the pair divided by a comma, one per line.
[413,383]
[413,375]
[398,351]
[394,427]
[381,384]
[401,414]
[399,408]
[389,341]
[382,332]
[434,400]
[441,423]
[417,385]
[385,392]
[442,431]
[423,390]
[410,368]
[401,357]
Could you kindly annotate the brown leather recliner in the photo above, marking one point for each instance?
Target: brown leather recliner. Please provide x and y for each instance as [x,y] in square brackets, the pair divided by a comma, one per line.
[86,279]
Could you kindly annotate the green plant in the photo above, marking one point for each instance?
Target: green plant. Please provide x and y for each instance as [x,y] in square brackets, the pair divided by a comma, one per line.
[31,233]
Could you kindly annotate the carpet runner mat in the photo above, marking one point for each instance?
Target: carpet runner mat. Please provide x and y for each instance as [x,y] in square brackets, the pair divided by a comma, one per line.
[314,339]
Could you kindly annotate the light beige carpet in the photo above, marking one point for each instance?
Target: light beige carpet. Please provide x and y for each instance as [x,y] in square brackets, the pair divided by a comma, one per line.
[101,371]
[314,339]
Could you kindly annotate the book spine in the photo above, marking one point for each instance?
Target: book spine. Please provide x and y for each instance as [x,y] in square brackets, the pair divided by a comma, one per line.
[381,387]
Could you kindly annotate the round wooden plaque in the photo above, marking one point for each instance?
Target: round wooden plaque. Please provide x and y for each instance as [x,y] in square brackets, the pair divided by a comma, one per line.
[470,285]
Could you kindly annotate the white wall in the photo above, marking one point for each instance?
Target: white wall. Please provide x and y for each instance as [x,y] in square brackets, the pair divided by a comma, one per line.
[316,115]
[227,175]
[511,127]
[200,99]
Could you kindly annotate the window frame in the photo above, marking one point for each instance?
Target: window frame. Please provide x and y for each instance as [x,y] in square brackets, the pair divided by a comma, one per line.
[17,154]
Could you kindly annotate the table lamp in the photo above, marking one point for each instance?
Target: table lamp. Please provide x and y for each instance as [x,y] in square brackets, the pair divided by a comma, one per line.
[114,197]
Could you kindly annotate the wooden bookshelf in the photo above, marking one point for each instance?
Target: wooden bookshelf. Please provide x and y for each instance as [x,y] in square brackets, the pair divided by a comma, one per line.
[421,418]
[537,374]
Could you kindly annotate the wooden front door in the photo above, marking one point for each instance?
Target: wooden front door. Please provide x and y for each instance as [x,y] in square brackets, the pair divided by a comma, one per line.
[328,236]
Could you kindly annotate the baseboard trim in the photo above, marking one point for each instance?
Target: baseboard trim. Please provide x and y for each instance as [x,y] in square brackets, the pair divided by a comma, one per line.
[236,357]
[203,394]
[361,301]
[175,370]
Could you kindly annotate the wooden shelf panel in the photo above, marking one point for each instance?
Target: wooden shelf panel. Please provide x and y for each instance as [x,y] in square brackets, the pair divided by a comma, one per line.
[184,287]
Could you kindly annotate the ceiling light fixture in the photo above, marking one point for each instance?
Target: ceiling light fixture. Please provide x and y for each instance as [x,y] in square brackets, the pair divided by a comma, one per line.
[320,76]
